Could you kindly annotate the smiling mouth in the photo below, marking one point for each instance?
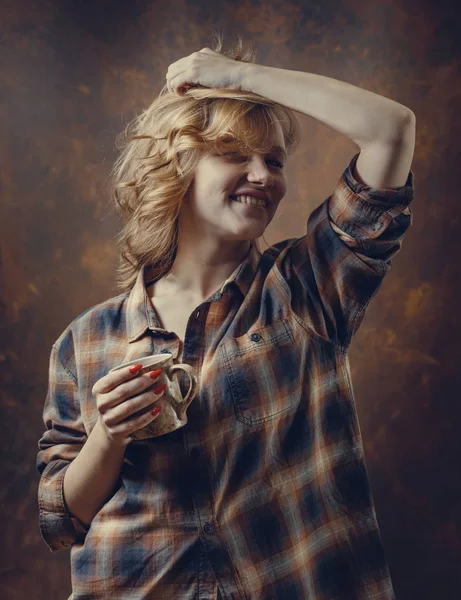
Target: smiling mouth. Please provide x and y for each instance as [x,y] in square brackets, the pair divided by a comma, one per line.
[234,198]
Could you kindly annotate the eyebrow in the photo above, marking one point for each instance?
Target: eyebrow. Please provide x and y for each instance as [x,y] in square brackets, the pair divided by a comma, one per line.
[278,149]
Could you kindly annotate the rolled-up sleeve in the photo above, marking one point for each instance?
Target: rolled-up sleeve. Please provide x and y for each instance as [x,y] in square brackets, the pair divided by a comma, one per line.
[335,270]
[62,441]
[368,220]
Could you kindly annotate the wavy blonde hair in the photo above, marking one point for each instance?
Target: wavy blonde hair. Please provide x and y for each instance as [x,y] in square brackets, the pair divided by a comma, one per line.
[160,151]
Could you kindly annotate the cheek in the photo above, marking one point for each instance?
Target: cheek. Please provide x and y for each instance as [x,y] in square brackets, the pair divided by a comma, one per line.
[281,190]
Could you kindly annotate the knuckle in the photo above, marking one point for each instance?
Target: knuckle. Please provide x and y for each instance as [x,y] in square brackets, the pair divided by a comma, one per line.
[125,390]
[141,383]
[115,399]
[116,431]
[102,409]
[108,421]
[121,389]
[102,403]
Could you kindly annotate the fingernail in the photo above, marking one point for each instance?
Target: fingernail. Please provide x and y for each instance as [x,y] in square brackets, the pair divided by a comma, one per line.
[135,369]
[159,389]
[155,374]
[155,411]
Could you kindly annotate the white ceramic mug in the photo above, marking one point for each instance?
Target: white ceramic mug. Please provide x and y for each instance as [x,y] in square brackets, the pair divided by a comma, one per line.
[173,414]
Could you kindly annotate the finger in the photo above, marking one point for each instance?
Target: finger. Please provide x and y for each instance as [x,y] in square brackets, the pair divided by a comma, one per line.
[135,423]
[177,67]
[132,407]
[112,380]
[126,391]
[178,82]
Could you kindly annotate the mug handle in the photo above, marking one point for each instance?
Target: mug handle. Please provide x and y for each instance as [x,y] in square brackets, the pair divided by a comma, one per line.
[191,392]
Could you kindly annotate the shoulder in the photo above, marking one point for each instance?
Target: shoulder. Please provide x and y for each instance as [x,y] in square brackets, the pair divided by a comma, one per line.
[95,322]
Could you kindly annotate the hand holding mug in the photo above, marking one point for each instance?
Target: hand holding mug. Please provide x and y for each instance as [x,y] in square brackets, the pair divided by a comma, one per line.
[172,402]
[125,402]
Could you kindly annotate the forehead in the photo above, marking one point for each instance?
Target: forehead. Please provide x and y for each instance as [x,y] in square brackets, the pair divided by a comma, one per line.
[265,132]
[270,132]
[277,135]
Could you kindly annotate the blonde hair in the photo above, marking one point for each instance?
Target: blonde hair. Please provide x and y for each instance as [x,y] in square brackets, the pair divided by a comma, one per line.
[160,151]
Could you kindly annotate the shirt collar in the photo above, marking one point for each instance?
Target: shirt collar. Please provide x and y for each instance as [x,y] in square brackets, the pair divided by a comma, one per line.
[140,314]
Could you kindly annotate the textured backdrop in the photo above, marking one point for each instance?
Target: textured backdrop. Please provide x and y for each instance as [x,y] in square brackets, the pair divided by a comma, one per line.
[73,74]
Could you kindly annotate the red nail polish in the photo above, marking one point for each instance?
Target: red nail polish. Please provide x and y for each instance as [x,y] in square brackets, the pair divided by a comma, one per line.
[159,389]
[135,369]
[154,374]
[155,411]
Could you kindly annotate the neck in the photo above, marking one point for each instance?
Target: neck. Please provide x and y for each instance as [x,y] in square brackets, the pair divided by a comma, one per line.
[200,269]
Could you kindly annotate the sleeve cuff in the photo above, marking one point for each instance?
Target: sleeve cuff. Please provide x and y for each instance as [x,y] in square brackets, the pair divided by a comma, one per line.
[59,529]
[363,212]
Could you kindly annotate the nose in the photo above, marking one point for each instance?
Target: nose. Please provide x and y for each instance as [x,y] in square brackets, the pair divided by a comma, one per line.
[259,172]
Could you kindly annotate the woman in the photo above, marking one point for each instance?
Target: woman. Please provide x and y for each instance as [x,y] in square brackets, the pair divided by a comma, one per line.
[264,493]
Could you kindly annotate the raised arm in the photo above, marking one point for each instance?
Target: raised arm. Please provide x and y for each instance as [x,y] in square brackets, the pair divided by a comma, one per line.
[383,129]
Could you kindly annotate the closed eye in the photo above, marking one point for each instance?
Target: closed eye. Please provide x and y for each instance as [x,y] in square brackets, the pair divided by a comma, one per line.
[237,156]
[278,163]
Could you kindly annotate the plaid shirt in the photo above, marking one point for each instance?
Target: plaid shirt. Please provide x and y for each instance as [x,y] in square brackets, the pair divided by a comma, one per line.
[264,494]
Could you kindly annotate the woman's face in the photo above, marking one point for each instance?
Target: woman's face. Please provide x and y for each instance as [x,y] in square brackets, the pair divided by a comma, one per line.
[218,177]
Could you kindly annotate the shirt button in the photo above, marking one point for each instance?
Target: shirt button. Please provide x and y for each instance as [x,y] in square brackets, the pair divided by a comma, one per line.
[208,528]
[195,453]
[255,337]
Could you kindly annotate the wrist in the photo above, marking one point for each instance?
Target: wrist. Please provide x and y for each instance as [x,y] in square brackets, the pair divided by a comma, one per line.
[106,442]
[247,76]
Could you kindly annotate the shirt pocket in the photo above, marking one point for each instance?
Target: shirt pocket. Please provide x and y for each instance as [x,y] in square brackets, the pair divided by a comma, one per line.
[262,372]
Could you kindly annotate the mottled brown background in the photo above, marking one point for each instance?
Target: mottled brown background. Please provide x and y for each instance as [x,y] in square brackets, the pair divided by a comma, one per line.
[72,74]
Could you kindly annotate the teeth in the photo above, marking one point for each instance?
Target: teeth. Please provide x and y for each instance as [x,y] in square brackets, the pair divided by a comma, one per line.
[249,200]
